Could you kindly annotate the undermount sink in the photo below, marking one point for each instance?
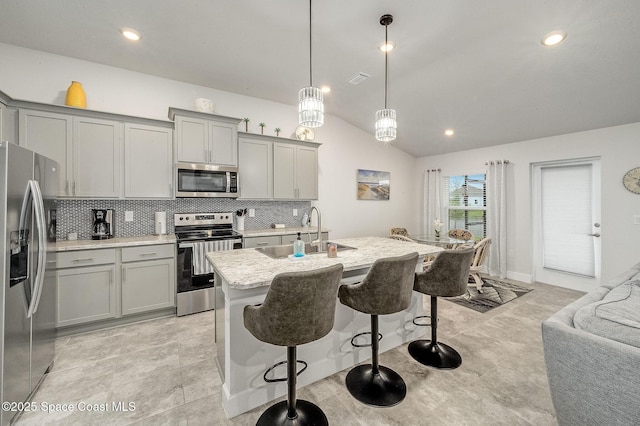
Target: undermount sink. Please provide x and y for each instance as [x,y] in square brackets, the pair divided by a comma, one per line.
[281,252]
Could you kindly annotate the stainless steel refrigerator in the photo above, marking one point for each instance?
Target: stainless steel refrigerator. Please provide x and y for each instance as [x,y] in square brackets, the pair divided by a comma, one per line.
[28,188]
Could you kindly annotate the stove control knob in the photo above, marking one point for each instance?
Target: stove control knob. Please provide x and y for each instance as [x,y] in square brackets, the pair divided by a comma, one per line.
[187,218]
[181,218]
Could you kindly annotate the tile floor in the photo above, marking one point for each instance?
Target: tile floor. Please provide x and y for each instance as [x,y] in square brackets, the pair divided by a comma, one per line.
[166,368]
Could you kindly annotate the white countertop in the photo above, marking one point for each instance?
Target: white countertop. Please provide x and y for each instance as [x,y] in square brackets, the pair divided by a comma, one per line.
[142,240]
[280,231]
[248,268]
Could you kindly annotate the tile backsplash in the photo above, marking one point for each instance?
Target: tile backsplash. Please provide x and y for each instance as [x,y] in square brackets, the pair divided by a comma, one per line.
[75,215]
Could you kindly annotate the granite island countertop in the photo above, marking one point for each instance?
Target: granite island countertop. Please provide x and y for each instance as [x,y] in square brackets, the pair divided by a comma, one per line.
[142,240]
[248,268]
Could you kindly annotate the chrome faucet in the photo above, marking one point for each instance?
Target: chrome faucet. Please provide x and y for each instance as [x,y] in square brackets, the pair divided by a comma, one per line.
[318,240]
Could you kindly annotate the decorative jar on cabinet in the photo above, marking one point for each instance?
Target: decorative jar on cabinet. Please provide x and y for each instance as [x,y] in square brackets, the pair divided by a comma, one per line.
[76,96]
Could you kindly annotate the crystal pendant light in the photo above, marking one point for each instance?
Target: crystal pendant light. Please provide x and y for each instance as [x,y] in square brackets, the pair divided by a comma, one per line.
[310,106]
[386,125]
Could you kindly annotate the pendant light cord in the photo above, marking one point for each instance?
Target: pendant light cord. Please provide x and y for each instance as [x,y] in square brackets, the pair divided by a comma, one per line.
[386,62]
[310,49]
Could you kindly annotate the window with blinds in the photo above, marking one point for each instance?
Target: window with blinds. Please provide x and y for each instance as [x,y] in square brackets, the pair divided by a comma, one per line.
[466,203]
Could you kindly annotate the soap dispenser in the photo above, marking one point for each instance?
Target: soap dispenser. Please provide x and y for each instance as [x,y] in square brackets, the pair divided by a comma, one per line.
[298,247]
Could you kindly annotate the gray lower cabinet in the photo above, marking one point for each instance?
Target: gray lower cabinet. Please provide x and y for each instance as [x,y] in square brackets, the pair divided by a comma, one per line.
[103,284]
[148,278]
[254,242]
[86,286]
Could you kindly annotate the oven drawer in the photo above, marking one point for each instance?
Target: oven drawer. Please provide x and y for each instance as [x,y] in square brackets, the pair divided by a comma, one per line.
[262,241]
[132,254]
[72,259]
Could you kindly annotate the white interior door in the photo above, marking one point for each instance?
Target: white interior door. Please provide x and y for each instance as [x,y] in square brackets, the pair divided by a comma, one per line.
[566,223]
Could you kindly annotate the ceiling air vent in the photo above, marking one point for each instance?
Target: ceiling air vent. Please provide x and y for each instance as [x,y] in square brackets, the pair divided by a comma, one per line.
[358,78]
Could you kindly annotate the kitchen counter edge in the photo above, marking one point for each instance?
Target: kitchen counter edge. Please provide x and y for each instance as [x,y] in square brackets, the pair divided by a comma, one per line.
[249,233]
[143,240]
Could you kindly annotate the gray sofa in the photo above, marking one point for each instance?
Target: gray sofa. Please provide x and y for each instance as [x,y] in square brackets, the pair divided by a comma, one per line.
[592,355]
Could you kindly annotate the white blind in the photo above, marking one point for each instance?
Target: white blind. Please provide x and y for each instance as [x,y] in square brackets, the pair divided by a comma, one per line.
[465,203]
[567,219]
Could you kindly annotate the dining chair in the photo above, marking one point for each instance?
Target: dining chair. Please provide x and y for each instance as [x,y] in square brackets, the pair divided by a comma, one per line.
[481,251]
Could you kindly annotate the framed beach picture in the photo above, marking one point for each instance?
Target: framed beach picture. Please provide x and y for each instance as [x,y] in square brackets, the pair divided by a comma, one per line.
[373,185]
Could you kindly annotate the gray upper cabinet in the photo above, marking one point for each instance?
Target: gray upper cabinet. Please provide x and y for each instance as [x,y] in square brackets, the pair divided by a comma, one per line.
[50,135]
[256,167]
[295,171]
[96,157]
[8,123]
[148,161]
[205,138]
[277,168]
[101,155]
[87,151]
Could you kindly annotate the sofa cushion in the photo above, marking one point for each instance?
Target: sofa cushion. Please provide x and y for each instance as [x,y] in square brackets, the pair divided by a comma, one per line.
[616,316]
[630,274]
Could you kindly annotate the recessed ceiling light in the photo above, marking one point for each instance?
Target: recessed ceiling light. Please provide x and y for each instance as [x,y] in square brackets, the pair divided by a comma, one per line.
[131,34]
[449,132]
[388,47]
[554,38]
[325,89]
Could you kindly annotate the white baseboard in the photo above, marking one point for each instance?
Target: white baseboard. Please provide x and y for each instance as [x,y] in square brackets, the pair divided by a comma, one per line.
[518,276]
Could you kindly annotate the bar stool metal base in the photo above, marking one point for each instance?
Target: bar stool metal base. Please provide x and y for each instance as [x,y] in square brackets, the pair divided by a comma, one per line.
[384,389]
[307,413]
[436,355]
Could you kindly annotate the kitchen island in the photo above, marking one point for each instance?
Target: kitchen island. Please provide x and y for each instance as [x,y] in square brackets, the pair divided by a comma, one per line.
[243,278]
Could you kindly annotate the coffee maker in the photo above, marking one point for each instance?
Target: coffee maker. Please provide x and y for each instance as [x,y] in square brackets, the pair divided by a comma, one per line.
[103,221]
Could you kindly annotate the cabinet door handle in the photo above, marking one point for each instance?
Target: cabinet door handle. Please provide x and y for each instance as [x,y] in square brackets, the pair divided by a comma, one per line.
[151,253]
[124,274]
[84,259]
[262,244]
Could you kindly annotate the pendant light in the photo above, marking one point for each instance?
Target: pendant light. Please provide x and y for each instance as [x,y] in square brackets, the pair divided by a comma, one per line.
[386,125]
[311,106]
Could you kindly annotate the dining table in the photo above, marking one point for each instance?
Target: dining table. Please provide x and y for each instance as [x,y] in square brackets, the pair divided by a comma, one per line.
[444,241]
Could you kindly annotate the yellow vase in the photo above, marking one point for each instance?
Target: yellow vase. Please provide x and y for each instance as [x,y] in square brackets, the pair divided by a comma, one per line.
[75,96]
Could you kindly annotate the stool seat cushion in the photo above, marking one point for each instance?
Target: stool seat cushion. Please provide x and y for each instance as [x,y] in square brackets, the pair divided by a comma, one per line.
[298,308]
[386,289]
[448,274]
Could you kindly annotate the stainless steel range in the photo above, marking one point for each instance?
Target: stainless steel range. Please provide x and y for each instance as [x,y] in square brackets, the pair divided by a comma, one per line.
[197,234]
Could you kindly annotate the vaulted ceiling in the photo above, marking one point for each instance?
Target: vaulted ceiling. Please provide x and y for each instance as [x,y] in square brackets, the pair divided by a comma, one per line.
[477,67]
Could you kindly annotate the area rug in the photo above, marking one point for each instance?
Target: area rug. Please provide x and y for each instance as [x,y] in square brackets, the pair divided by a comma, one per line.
[494,293]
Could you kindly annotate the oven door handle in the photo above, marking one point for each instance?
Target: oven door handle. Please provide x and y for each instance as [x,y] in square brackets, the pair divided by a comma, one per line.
[185,245]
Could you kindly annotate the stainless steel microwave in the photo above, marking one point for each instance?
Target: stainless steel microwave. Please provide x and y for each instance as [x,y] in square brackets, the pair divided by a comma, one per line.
[195,180]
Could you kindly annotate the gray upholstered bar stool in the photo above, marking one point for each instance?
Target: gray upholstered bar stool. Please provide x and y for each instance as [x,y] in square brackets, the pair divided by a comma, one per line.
[447,276]
[298,308]
[385,290]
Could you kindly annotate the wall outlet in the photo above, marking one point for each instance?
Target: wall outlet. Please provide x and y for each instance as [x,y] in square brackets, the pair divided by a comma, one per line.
[636,219]
[295,212]
[252,212]
[128,216]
